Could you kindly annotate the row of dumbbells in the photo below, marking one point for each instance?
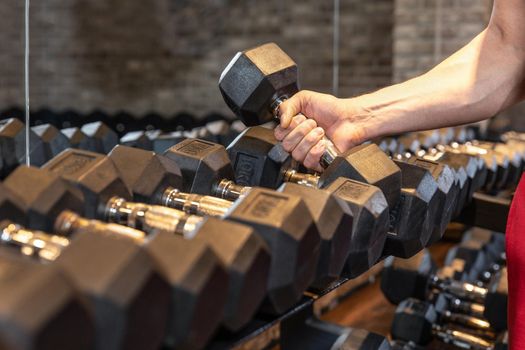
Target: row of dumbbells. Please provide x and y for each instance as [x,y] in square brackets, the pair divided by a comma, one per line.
[499,163]
[288,228]
[284,222]
[268,166]
[463,303]
[382,208]
[120,121]
[46,141]
[259,161]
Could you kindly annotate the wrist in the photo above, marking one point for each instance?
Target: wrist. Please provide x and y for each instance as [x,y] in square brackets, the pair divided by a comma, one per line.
[365,114]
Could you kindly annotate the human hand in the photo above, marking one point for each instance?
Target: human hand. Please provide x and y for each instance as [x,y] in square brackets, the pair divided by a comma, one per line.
[308,116]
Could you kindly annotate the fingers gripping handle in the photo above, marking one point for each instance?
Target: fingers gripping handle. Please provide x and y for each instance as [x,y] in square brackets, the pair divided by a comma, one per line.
[330,153]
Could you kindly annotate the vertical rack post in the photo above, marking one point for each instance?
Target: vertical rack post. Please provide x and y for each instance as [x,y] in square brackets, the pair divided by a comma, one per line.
[26,79]
[336,39]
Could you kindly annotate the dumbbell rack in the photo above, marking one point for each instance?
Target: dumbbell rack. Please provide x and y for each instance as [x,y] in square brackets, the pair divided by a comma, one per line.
[265,331]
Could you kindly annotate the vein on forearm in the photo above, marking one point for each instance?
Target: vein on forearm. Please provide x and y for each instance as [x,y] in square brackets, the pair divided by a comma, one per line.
[475,83]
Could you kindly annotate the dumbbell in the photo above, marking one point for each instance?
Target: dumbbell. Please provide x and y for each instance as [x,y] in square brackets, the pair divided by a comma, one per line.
[258,159]
[53,140]
[417,278]
[13,146]
[508,158]
[96,137]
[272,79]
[479,258]
[281,220]
[218,131]
[206,169]
[515,159]
[40,308]
[50,196]
[464,166]
[418,322]
[46,141]
[244,255]
[503,162]
[126,298]
[197,277]
[137,139]
[156,179]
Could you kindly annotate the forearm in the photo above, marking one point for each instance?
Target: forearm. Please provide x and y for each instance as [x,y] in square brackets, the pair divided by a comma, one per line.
[475,83]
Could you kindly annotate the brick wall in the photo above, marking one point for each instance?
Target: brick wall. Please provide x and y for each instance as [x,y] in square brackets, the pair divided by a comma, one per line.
[166,55]
[427,31]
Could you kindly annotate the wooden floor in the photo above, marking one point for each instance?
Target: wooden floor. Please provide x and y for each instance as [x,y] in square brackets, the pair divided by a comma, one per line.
[368,309]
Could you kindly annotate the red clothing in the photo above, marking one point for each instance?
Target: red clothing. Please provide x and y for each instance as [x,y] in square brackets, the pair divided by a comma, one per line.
[515,237]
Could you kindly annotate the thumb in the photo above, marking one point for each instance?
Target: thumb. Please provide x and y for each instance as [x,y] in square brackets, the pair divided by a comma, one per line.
[291,107]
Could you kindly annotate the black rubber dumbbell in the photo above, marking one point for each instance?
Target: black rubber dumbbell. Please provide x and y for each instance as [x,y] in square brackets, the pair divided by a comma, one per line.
[156,179]
[44,203]
[418,278]
[258,159]
[419,322]
[206,169]
[126,298]
[294,247]
[13,146]
[40,307]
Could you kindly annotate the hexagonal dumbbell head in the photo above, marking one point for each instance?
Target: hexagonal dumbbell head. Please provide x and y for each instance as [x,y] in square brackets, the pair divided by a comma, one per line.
[44,195]
[94,174]
[145,173]
[77,139]
[473,259]
[254,79]
[247,259]
[13,146]
[203,164]
[54,141]
[285,223]
[163,141]
[40,308]
[413,321]
[493,242]
[101,136]
[412,220]
[333,218]
[258,159]
[407,278]
[11,206]
[496,301]
[137,139]
[370,223]
[447,193]
[195,274]
[199,287]
[461,180]
[466,162]
[366,163]
[127,298]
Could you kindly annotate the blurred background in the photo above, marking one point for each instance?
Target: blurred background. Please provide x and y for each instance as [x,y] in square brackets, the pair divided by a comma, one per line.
[159,61]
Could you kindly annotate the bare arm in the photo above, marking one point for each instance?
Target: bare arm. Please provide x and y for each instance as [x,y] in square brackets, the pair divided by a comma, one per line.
[478,81]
